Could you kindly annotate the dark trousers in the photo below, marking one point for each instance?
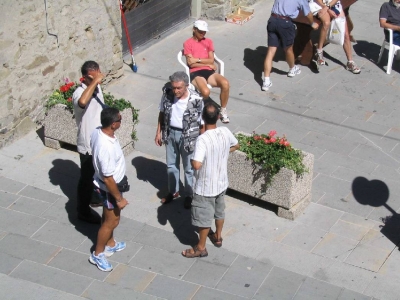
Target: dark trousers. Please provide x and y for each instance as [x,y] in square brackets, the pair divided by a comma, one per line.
[85,184]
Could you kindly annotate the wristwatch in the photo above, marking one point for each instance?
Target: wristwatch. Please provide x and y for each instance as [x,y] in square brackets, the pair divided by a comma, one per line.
[199,60]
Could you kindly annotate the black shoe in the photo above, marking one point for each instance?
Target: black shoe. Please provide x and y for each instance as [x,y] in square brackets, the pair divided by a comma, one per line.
[188,202]
[92,218]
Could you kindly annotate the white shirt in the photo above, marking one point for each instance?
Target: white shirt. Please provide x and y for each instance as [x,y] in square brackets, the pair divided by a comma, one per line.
[87,119]
[212,150]
[177,109]
[108,158]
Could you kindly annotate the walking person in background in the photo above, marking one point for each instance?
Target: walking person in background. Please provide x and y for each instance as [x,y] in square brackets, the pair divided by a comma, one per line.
[109,165]
[281,32]
[210,160]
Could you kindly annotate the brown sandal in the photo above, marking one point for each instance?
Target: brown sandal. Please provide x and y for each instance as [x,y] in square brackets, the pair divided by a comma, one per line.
[197,252]
[216,242]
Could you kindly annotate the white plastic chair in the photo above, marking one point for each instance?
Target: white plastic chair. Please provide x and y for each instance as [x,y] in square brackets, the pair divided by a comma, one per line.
[219,62]
[393,49]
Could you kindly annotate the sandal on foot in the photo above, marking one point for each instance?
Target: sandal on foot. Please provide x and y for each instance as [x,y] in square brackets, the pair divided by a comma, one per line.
[216,242]
[167,199]
[197,252]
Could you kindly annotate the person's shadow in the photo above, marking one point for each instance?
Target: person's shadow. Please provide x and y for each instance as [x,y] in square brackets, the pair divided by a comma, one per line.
[155,172]
[254,61]
[375,193]
[65,173]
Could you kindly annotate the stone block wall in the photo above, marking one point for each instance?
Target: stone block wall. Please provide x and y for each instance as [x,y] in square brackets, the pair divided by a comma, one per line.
[37,54]
[218,9]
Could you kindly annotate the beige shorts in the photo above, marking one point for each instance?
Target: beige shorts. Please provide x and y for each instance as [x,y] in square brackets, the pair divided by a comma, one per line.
[206,209]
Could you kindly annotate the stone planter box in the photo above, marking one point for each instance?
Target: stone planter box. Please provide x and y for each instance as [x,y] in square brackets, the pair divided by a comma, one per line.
[60,127]
[291,194]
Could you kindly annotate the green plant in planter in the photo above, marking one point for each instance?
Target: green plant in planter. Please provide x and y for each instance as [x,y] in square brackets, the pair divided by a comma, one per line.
[63,95]
[271,153]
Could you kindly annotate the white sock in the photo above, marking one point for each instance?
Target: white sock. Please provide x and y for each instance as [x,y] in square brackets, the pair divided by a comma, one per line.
[267,80]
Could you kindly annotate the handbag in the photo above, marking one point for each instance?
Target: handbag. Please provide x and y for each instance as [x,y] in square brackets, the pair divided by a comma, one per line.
[336,31]
[123,185]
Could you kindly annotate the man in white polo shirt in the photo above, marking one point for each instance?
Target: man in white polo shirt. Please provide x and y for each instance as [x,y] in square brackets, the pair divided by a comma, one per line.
[210,159]
[109,166]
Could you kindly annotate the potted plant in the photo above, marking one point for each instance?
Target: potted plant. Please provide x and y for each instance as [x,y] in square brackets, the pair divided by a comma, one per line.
[59,122]
[267,167]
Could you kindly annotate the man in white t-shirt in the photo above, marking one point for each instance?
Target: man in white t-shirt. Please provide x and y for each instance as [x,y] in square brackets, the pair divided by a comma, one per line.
[109,165]
[88,103]
[210,159]
[179,123]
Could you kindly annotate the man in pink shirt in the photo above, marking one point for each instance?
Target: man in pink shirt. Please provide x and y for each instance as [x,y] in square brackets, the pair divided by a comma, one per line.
[199,52]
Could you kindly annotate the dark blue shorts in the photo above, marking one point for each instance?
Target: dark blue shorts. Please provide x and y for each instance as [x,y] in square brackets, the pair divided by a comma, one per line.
[281,32]
[396,37]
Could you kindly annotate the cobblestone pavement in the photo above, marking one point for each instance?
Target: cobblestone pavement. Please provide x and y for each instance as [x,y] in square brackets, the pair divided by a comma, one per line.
[338,249]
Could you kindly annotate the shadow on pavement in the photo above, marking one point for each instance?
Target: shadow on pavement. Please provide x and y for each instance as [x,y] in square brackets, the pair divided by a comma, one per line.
[180,220]
[254,61]
[154,172]
[252,201]
[376,193]
[68,184]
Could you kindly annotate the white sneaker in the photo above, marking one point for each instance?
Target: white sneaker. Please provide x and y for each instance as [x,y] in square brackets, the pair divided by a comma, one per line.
[224,115]
[294,71]
[266,85]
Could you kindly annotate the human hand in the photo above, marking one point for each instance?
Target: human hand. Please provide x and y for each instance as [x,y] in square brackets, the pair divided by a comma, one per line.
[332,14]
[96,77]
[157,140]
[122,203]
[213,67]
[191,60]
[315,25]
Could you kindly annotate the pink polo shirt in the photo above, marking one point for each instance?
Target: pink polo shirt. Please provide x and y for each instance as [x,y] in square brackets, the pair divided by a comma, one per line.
[198,49]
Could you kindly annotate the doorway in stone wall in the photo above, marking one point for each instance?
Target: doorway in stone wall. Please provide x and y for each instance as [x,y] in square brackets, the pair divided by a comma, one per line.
[148,19]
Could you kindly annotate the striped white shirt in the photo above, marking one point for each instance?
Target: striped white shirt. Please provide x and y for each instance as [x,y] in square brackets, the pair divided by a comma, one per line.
[212,150]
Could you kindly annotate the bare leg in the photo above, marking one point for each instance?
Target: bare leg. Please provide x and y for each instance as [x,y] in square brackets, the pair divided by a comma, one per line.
[289,56]
[221,82]
[218,228]
[201,85]
[268,61]
[347,44]
[105,234]
[326,22]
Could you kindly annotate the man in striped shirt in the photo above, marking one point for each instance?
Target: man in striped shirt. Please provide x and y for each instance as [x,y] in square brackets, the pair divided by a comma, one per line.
[210,159]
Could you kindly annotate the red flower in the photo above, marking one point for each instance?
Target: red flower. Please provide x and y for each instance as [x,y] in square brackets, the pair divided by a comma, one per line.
[282,141]
[257,137]
[64,88]
[272,133]
[272,139]
[267,141]
[70,84]
[81,79]
[69,99]
[286,143]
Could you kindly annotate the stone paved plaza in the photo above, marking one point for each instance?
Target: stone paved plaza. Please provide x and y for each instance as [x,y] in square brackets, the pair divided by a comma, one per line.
[344,246]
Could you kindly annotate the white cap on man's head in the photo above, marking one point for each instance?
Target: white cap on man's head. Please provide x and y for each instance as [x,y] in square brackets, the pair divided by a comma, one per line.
[201,25]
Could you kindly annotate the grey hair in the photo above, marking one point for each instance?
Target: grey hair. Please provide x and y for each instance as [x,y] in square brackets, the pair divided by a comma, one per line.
[179,76]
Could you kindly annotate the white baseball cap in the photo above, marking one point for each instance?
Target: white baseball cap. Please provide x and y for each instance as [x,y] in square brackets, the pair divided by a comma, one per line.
[201,25]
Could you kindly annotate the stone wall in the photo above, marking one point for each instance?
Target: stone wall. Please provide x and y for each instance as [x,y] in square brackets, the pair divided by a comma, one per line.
[218,9]
[37,54]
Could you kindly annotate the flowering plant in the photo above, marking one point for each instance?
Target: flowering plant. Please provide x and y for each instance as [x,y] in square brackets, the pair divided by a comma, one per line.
[63,95]
[271,153]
